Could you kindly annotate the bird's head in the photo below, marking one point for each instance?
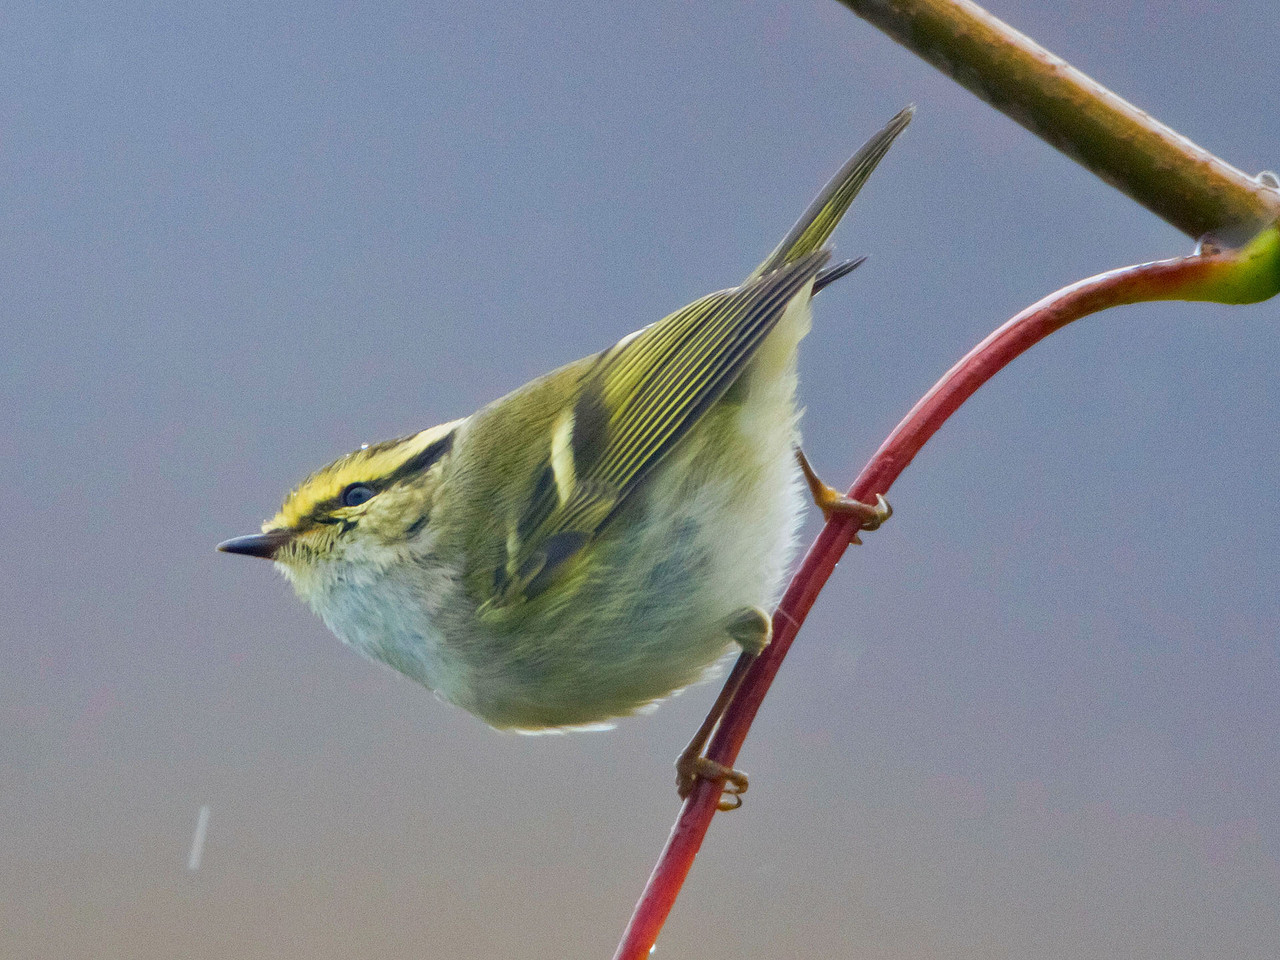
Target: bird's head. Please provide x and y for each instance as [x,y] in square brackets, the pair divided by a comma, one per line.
[364,508]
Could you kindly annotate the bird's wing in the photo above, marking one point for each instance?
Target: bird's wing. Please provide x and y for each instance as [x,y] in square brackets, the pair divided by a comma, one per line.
[644,394]
[636,402]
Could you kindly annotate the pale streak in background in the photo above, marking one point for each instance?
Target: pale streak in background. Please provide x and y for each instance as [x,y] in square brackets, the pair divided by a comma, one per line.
[197,841]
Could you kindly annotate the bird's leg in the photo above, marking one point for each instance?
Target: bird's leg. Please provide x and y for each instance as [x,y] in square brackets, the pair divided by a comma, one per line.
[831,501]
[751,629]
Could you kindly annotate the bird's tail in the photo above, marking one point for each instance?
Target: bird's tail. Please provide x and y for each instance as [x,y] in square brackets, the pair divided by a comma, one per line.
[816,224]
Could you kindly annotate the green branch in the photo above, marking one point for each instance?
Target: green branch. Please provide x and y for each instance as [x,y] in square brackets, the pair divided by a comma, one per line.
[1158,167]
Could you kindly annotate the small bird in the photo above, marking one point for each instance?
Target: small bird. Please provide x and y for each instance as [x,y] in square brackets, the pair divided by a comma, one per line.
[600,537]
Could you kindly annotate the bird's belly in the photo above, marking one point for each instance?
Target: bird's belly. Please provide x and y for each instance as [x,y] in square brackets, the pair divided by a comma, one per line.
[704,541]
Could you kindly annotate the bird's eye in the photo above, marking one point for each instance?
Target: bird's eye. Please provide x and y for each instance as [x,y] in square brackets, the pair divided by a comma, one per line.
[357,493]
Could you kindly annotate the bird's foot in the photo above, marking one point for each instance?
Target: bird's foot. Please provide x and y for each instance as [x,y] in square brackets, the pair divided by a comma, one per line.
[691,768]
[834,503]
[751,629]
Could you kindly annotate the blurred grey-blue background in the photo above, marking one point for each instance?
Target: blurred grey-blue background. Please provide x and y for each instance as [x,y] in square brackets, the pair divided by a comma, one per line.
[1036,716]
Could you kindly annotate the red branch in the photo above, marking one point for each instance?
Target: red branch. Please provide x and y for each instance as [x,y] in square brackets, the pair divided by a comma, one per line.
[1162,280]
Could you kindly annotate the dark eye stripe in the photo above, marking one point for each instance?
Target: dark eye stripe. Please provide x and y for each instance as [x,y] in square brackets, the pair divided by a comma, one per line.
[322,512]
[419,461]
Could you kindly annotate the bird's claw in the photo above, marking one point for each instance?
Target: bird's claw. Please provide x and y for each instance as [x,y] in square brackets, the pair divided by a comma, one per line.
[834,503]
[691,769]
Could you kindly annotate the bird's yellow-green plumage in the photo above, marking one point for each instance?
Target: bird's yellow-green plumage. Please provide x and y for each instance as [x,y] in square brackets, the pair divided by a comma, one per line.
[375,461]
[630,407]
[584,545]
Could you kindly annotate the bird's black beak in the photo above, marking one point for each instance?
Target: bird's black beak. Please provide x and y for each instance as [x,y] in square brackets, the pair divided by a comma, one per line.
[262,545]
